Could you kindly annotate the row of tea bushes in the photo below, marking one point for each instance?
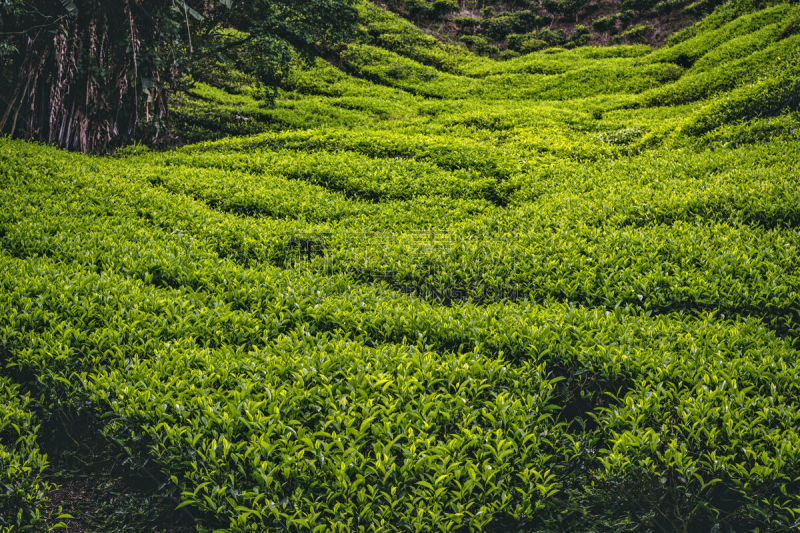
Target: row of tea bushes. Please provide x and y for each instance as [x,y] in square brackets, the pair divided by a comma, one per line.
[689,448]
[670,271]
[351,173]
[316,433]
[683,367]
[464,311]
[677,265]
[89,329]
[691,49]
[137,361]
[22,487]
[106,327]
[723,77]
[444,151]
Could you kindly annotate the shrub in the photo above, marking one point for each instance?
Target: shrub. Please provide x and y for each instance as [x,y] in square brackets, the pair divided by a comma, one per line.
[22,465]
[525,43]
[467,24]
[497,28]
[478,44]
[636,34]
[639,5]
[580,36]
[552,37]
[769,96]
[430,9]
[505,55]
[443,293]
[606,24]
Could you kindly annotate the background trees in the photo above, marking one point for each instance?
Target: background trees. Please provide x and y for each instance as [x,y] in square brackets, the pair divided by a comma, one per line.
[88,75]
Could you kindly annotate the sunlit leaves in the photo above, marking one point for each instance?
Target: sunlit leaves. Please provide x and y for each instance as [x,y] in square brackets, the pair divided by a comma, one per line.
[408,313]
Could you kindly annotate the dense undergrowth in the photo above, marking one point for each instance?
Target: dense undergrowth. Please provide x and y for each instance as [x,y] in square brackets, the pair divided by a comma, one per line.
[431,291]
[504,29]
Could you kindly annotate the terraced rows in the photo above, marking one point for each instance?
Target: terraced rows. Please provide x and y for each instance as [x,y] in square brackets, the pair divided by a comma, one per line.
[424,298]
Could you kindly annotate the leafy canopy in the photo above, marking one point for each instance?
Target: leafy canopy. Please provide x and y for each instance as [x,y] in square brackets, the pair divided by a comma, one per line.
[89,75]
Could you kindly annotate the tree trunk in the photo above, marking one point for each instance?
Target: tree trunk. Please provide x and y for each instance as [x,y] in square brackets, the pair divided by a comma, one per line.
[79,85]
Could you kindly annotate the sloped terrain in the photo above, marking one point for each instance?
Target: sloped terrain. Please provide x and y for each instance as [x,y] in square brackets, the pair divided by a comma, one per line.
[428,291]
[504,29]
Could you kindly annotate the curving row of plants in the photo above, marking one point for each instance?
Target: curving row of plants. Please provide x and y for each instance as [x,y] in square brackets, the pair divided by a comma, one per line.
[190,359]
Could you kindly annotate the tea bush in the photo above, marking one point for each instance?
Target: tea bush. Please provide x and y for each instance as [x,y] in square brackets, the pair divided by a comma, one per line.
[432,291]
[21,463]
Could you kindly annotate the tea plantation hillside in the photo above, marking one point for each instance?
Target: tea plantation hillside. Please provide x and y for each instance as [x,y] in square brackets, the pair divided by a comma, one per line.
[426,291]
[507,28]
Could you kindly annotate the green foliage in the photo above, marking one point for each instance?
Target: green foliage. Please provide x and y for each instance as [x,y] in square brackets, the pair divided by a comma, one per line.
[22,489]
[638,5]
[499,27]
[90,76]
[552,37]
[425,290]
[700,84]
[580,36]
[467,24]
[705,36]
[430,9]
[637,34]
[389,31]
[776,94]
[526,43]
[607,24]
[496,20]
[479,44]
[564,7]
[278,27]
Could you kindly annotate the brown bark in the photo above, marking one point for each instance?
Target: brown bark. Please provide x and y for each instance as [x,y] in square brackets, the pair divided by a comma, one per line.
[80,88]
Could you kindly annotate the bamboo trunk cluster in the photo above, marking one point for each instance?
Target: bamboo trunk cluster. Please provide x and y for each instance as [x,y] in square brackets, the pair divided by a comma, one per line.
[84,83]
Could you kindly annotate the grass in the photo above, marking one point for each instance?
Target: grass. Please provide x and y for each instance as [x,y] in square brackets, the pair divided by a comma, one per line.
[424,291]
